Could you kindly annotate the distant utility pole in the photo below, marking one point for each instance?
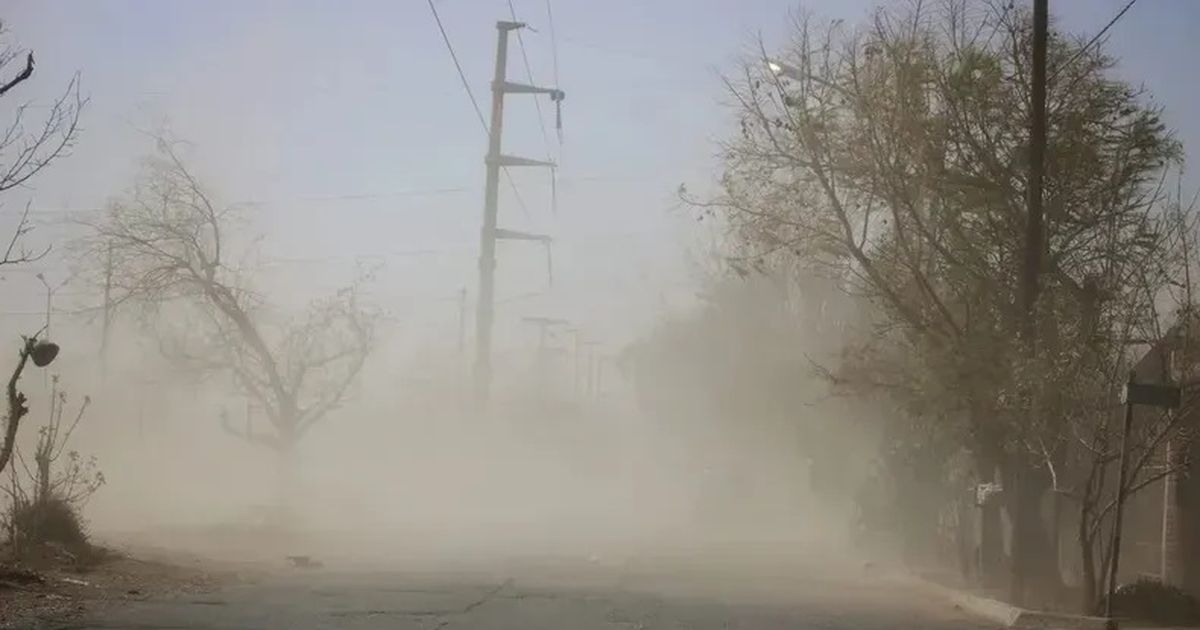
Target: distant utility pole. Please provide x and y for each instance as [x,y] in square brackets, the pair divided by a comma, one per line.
[575,362]
[108,273]
[592,383]
[599,386]
[544,324]
[489,233]
[462,322]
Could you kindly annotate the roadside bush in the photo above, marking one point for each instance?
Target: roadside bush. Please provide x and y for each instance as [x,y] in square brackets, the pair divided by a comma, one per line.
[43,519]
[1152,601]
[50,520]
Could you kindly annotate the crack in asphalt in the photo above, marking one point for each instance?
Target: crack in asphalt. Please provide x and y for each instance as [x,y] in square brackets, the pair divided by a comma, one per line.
[388,613]
[487,597]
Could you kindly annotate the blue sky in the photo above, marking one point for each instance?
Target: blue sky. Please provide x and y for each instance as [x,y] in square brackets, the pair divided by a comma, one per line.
[331,114]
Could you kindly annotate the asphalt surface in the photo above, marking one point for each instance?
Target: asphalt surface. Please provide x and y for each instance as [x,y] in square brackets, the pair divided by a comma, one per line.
[579,594]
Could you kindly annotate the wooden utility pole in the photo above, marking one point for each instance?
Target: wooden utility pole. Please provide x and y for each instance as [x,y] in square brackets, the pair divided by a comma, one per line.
[489,233]
[1034,224]
[1031,269]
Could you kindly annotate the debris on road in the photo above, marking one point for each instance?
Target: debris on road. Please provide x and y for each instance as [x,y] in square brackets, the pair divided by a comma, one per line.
[304,562]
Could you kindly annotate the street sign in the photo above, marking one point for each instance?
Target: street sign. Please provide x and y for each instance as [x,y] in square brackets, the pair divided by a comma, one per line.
[1163,396]
[985,493]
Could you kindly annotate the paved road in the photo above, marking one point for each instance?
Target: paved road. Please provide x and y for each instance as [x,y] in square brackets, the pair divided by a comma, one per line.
[555,595]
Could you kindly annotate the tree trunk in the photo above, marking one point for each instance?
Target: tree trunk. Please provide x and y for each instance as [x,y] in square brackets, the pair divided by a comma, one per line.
[990,558]
[16,408]
[1171,552]
[962,539]
[1056,506]
[286,483]
[1087,556]
[1187,498]
[43,479]
[1033,569]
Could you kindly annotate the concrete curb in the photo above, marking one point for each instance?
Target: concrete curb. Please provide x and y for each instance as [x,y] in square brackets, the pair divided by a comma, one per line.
[1058,621]
[1009,616]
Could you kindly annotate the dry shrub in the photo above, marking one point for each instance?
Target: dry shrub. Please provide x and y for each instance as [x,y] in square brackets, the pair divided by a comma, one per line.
[48,522]
[1150,600]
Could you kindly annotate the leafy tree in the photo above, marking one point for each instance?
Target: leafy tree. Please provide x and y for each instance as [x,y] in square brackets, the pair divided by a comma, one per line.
[892,158]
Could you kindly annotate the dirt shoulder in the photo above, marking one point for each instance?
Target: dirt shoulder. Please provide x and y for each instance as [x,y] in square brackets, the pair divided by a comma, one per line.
[45,593]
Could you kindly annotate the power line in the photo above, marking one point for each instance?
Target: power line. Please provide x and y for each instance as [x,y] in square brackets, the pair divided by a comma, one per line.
[537,103]
[1094,39]
[516,192]
[428,192]
[475,104]
[458,66]
[553,56]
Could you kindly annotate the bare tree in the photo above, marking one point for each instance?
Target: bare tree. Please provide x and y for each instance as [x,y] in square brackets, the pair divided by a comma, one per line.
[28,144]
[171,249]
[80,478]
[1090,441]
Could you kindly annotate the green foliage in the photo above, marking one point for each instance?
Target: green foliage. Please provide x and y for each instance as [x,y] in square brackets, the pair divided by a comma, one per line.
[893,159]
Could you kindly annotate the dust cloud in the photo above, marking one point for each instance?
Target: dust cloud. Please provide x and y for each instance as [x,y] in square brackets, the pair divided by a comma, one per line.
[407,468]
[682,443]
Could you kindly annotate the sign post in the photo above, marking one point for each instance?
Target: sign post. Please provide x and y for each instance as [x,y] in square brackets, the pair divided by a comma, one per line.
[1149,395]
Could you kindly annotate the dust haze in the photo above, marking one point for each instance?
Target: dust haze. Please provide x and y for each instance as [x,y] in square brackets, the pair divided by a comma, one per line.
[648,421]
[407,468]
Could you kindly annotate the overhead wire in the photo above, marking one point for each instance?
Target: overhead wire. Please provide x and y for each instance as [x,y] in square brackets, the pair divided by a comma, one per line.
[553,57]
[428,192]
[475,104]
[1120,14]
[557,128]
[458,66]
[545,142]
[537,103]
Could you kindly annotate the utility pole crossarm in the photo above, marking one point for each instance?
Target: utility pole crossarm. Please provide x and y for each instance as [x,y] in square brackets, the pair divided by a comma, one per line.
[513,160]
[545,321]
[514,235]
[509,87]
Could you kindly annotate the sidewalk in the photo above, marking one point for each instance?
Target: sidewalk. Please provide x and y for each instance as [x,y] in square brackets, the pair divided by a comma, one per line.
[1009,616]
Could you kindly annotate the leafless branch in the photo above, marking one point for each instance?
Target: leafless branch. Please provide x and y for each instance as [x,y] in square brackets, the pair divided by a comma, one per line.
[21,76]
